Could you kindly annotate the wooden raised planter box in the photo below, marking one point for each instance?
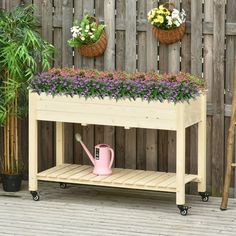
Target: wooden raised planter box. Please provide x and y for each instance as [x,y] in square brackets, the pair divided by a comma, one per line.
[124,113]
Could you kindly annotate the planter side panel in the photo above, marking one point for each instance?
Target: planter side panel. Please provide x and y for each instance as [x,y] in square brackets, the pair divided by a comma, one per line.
[193,111]
[137,114]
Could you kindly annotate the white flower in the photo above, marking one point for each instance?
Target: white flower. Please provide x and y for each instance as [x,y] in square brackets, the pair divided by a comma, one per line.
[75,29]
[86,30]
[72,29]
[169,18]
[90,33]
[183,15]
[179,20]
[93,29]
[87,27]
[74,34]
[82,38]
[175,12]
[177,23]
[92,36]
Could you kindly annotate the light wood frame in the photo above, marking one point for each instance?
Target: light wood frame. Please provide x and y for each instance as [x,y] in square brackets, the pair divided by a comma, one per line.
[124,113]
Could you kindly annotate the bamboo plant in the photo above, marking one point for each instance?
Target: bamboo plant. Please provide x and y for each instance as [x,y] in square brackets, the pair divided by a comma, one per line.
[22,53]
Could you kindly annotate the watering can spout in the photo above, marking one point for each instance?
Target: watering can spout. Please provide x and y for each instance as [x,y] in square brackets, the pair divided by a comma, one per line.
[79,139]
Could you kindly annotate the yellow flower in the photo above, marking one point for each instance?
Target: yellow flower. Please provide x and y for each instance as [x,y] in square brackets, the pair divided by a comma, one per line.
[160,19]
[163,10]
[151,14]
[166,11]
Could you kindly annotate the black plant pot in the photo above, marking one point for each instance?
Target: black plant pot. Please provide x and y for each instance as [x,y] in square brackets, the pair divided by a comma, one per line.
[11,183]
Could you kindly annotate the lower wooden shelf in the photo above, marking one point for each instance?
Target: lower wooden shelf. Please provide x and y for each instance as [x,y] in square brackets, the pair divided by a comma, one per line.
[122,178]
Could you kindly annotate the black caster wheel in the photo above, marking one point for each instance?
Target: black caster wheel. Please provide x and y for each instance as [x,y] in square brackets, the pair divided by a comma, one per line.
[35,195]
[183,209]
[204,196]
[63,185]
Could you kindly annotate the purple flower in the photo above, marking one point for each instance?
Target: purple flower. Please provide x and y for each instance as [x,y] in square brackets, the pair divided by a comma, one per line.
[149,86]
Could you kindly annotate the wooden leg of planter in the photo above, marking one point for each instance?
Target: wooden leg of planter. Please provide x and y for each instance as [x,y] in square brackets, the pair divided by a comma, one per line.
[202,149]
[59,143]
[180,158]
[33,144]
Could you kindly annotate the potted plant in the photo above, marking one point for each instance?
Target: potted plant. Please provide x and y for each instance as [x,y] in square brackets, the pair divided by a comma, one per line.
[168,23]
[89,37]
[22,53]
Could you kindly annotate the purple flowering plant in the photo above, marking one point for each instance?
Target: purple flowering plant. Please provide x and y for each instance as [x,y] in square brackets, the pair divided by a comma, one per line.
[149,86]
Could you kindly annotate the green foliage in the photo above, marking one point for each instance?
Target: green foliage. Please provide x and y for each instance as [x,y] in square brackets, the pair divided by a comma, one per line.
[22,53]
[85,32]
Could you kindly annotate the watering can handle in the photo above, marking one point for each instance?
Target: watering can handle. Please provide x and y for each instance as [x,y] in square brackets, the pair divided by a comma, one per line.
[112,157]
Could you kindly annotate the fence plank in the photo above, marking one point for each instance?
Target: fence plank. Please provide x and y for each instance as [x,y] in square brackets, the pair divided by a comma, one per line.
[142,66]
[208,74]
[99,64]
[230,53]
[173,66]
[57,33]
[67,18]
[109,58]
[218,94]
[2,4]
[186,67]
[162,134]
[78,15]
[120,65]
[67,60]
[88,131]
[99,13]
[11,4]
[77,148]
[130,65]
[151,134]
[196,69]
[229,67]
[46,131]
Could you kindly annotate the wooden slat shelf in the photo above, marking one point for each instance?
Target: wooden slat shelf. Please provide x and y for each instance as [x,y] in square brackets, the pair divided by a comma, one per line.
[122,178]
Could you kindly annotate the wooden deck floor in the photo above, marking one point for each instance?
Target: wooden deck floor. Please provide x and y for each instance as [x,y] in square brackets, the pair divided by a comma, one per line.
[83,210]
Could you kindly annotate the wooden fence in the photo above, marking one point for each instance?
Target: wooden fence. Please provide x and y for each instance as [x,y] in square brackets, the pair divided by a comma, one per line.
[208,49]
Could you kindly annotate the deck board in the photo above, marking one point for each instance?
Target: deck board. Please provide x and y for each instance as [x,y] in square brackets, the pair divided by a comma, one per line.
[69,212]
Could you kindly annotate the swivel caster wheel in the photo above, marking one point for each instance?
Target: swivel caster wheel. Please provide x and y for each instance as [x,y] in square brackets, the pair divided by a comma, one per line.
[183,209]
[35,195]
[204,196]
[63,185]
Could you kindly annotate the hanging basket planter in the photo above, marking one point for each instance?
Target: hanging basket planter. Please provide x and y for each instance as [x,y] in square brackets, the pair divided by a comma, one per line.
[168,23]
[89,37]
[169,36]
[96,49]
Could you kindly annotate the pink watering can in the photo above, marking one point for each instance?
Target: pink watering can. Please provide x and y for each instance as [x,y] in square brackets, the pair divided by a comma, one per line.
[104,157]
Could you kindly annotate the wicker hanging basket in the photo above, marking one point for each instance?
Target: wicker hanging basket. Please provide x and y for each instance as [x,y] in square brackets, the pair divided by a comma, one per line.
[169,36]
[96,49]
[172,35]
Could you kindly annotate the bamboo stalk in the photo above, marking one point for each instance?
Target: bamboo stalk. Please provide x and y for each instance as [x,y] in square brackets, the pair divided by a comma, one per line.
[5,148]
[8,145]
[16,137]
